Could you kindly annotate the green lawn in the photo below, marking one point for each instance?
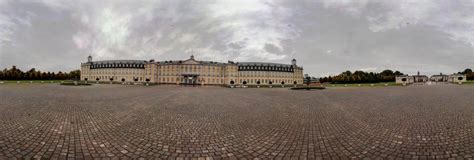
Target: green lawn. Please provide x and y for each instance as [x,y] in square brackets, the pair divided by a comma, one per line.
[470,82]
[35,81]
[362,85]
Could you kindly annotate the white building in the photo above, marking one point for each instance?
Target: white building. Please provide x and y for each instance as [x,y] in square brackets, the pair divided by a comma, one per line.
[457,78]
[406,79]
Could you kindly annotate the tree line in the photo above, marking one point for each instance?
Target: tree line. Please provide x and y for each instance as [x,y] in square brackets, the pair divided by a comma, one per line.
[362,77]
[33,74]
[469,74]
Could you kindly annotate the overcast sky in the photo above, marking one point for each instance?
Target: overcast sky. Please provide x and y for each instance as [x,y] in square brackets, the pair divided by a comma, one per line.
[325,36]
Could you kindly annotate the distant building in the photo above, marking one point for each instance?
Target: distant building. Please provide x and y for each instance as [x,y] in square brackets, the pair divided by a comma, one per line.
[420,78]
[439,78]
[406,79]
[454,78]
[191,71]
[311,80]
[457,78]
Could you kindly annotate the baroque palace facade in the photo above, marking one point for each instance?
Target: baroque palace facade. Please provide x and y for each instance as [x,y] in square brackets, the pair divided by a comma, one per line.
[191,71]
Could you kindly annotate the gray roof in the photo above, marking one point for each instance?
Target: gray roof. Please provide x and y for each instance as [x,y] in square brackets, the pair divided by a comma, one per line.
[120,61]
[182,61]
[200,62]
[263,64]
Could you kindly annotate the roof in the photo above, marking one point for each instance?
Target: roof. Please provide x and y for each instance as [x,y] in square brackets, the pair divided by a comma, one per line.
[457,74]
[266,64]
[120,61]
[439,75]
[263,64]
[182,62]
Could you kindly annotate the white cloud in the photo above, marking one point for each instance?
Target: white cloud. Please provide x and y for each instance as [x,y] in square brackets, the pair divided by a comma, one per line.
[353,7]
[82,40]
[399,14]
[186,37]
[257,23]
[452,17]
[368,69]
[10,23]
[113,27]
[327,36]
[6,29]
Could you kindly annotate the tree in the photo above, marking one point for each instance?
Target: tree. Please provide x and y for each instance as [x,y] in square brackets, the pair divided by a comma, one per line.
[75,74]
[362,77]
[307,80]
[469,74]
[467,71]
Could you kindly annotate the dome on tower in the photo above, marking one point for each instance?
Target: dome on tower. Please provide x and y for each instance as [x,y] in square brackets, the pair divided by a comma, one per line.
[89,58]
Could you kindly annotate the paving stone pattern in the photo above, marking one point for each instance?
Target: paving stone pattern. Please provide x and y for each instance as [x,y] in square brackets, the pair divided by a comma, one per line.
[170,122]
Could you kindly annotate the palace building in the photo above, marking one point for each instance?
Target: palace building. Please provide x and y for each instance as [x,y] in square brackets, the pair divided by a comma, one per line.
[191,71]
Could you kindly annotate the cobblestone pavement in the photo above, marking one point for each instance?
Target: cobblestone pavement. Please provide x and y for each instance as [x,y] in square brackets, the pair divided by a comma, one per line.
[133,122]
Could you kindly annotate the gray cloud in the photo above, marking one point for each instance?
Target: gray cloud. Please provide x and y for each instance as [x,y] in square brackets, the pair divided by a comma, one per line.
[326,36]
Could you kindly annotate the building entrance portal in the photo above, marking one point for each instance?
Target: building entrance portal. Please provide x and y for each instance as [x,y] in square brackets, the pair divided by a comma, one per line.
[190,79]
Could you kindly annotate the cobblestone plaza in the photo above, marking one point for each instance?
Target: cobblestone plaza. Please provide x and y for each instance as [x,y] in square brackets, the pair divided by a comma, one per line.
[169,122]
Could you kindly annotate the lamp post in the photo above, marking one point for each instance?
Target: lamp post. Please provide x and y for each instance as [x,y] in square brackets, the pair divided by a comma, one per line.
[75,80]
